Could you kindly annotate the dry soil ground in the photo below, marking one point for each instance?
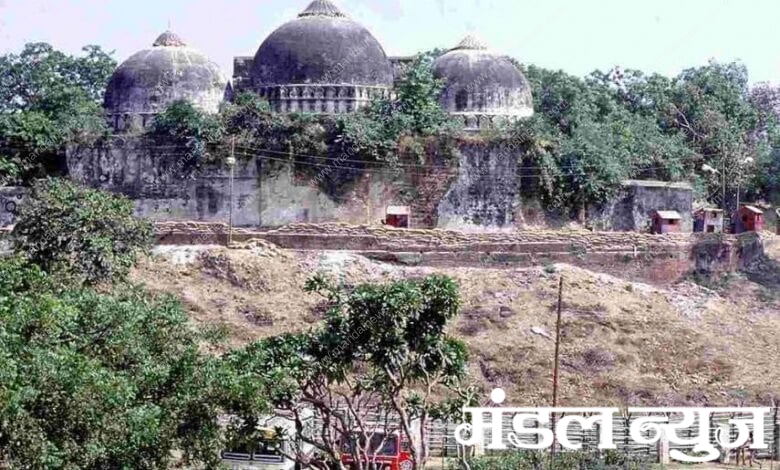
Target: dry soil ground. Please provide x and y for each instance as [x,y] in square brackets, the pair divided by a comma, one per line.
[623,343]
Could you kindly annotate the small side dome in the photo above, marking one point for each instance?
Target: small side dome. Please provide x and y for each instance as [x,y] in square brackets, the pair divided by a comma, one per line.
[321,46]
[482,85]
[150,80]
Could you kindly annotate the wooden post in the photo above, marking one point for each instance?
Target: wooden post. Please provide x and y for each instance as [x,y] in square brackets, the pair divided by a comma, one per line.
[555,367]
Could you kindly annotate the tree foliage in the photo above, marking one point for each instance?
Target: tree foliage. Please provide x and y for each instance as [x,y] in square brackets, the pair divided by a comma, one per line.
[589,134]
[94,380]
[47,100]
[184,124]
[63,227]
[380,347]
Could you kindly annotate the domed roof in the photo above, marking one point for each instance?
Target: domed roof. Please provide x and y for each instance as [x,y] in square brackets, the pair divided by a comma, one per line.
[481,81]
[322,46]
[152,79]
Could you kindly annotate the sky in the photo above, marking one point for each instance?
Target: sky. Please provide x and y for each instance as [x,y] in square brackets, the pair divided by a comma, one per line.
[578,36]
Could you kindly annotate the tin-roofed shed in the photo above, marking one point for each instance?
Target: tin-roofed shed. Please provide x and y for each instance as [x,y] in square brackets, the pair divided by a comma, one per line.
[748,219]
[666,222]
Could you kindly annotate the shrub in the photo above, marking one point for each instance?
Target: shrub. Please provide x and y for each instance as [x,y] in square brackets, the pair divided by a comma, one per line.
[84,232]
[103,380]
[187,125]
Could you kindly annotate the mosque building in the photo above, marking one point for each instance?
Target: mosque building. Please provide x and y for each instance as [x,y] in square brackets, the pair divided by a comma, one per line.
[324,62]
[320,62]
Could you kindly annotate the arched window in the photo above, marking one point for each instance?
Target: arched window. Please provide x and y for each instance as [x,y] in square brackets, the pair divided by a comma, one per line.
[462,100]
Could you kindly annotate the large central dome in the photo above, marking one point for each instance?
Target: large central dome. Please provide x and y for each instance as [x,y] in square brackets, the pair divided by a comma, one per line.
[322,46]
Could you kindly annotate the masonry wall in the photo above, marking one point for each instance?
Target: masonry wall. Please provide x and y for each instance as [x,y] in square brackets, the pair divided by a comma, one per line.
[481,191]
[631,209]
[166,183]
[485,196]
[659,259]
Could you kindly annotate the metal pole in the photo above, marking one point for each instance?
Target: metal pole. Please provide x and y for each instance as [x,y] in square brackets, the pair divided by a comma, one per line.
[232,164]
[557,361]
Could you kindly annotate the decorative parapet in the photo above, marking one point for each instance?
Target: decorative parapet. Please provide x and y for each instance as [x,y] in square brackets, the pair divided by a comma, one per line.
[130,123]
[315,98]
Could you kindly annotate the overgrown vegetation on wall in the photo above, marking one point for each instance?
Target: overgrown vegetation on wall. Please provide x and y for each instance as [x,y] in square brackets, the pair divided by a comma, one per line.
[383,135]
[588,134]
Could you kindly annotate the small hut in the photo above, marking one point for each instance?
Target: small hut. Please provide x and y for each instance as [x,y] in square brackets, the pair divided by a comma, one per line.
[666,222]
[398,216]
[749,219]
[708,220]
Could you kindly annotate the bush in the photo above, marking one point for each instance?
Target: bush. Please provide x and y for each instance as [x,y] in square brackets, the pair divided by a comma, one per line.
[84,232]
[188,126]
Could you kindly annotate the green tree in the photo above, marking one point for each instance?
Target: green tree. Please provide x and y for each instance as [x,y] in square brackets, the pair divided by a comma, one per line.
[63,227]
[381,348]
[48,99]
[725,126]
[587,136]
[103,380]
[415,111]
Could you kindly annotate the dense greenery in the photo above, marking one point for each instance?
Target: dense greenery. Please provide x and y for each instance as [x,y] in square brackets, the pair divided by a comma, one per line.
[588,134]
[47,100]
[184,126]
[94,380]
[92,235]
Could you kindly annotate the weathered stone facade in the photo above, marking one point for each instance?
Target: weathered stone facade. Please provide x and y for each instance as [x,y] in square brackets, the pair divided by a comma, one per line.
[170,185]
[632,208]
[326,99]
[486,193]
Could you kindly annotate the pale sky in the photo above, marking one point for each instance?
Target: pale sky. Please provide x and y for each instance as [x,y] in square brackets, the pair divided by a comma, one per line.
[577,36]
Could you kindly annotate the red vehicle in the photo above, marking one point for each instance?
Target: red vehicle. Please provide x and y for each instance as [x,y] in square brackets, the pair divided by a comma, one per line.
[387,450]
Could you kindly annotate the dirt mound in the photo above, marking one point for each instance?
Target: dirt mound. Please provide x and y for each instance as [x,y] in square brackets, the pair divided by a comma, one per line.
[623,343]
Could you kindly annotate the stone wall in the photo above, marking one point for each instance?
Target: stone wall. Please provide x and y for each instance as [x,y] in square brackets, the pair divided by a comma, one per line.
[632,208]
[486,193]
[659,259]
[480,193]
[167,183]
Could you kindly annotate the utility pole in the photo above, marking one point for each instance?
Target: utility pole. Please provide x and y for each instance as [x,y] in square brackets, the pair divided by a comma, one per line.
[231,161]
[723,195]
[555,369]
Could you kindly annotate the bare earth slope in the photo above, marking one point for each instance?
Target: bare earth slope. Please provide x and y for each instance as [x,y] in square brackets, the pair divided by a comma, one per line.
[623,343]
